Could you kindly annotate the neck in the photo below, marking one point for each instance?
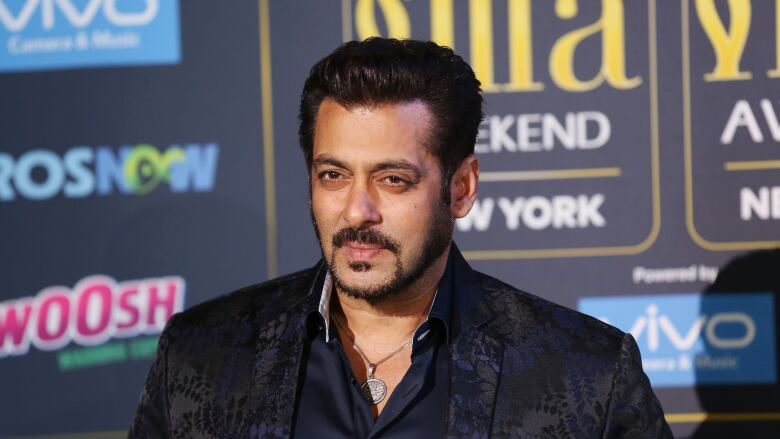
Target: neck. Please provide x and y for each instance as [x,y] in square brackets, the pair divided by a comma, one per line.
[395,318]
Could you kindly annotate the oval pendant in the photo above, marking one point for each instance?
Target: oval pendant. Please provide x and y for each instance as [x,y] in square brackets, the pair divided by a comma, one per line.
[374,390]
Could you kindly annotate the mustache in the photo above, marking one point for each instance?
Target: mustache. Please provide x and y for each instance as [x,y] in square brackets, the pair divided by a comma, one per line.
[365,236]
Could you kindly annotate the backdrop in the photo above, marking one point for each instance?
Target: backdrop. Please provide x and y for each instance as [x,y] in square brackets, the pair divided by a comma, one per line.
[149,162]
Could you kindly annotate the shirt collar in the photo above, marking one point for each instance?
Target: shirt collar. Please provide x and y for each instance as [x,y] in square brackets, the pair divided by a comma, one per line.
[441,308]
[324,307]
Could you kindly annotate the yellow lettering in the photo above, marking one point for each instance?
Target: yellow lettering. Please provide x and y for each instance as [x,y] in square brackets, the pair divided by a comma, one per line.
[521,57]
[520,46]
[481,40]
[775,73]
[396,17]
[611,24]
[728,46]
[442,23]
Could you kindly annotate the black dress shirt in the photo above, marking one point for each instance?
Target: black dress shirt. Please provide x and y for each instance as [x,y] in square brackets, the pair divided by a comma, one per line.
[330,403]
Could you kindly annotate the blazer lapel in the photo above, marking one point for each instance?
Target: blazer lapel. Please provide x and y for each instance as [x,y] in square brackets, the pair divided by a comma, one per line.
[280,343]
[476,357]
[475,363]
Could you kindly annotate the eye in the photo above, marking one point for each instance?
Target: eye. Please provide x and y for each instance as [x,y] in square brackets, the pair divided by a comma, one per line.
[332,179]
[396,183]
[330,175]
[395,180]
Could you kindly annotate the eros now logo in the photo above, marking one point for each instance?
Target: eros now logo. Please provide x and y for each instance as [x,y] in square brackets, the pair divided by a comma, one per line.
[92,312]
[82,171]
[76,18]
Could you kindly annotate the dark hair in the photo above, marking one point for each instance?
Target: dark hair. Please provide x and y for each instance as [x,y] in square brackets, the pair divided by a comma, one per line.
[381,71]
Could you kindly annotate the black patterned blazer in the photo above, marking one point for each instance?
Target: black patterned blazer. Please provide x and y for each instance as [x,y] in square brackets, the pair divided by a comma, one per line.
[521,367]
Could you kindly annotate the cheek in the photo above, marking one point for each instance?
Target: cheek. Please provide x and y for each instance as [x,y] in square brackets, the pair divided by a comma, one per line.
[322,222]
[411,225]
[322,206]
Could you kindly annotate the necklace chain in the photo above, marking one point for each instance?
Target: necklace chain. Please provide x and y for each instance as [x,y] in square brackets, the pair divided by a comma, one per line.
[371,366]
[374,389]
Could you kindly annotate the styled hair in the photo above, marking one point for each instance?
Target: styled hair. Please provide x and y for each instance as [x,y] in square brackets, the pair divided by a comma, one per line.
[380,71]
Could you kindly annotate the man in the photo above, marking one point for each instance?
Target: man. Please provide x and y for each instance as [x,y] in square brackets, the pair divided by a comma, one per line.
[392,335]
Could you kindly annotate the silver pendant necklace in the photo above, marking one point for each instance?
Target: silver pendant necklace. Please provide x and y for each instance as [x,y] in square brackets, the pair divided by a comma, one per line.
[374,389]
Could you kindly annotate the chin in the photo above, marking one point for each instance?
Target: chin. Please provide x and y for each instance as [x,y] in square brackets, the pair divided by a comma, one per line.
[361,275]
[364,281]
[375,270]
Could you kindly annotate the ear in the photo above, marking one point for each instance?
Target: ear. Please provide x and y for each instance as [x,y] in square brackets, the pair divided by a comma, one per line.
[463,187]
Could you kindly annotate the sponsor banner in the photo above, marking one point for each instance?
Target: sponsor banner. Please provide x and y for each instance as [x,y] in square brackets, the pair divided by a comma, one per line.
[690,339]
[96,310]
[730,119]
[51,34]
[84,171]
[560,155]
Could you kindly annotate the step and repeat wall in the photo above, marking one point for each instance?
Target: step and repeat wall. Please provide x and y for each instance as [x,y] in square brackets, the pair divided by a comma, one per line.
[149,162]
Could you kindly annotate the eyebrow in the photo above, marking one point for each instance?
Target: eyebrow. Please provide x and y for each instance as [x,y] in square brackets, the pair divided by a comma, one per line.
[325,159]
[398,164]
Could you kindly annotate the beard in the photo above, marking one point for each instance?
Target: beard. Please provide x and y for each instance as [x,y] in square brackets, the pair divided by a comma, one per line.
[438,235]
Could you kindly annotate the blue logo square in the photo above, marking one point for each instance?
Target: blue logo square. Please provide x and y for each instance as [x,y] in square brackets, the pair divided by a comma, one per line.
[49,34]
[688,339]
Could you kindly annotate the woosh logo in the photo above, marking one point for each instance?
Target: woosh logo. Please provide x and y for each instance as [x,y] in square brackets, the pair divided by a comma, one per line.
[688,339]
[48,34]
[94,311]
[81,171]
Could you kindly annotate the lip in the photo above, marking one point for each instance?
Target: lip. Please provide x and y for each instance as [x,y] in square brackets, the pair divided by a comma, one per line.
[361,251]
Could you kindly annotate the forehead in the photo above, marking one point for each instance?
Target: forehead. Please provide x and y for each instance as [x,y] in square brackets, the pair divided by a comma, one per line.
[372,133]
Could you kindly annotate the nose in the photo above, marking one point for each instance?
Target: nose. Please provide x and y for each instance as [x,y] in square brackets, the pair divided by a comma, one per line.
[361,210]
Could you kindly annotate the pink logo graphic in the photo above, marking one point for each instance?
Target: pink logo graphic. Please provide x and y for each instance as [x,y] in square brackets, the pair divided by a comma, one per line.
[92,312]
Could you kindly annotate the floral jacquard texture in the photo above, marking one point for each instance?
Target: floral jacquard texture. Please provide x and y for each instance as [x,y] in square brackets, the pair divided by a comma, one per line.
[566,375]
[520,367]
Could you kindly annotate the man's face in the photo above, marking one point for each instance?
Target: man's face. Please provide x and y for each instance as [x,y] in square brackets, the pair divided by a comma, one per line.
[376,197]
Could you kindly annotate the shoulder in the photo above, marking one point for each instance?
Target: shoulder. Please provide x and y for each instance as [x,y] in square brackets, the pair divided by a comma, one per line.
[248,304]
[522,317]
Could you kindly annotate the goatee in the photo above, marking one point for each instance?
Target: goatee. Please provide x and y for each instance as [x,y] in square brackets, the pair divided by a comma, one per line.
[437,238]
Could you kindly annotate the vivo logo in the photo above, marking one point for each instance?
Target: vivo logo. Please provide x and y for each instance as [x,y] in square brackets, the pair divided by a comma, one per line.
[656,326]
[694,338]
[78,18]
